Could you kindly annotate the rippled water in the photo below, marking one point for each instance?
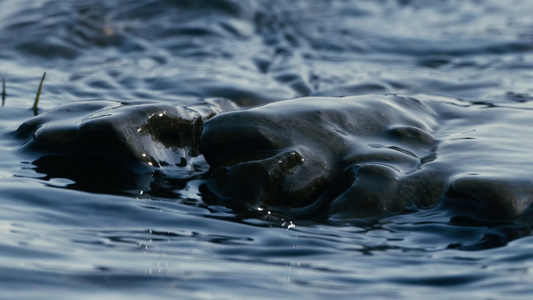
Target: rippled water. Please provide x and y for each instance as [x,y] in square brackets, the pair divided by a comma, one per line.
[57,241]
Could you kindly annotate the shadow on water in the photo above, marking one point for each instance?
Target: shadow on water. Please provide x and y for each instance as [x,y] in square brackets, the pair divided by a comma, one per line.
[435,228]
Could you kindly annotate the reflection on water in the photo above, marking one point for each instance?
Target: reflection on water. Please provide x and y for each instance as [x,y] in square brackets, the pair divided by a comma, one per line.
[77,242]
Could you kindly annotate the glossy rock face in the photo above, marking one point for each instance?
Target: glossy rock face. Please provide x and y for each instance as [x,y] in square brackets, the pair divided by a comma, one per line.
[369,156]
[358,157]
[118,143]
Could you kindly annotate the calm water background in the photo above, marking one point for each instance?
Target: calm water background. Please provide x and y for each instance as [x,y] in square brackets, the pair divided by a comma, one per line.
[57,242]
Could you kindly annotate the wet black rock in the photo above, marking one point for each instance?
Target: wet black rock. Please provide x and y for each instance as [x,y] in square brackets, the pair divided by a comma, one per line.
[359,157]
[370,156]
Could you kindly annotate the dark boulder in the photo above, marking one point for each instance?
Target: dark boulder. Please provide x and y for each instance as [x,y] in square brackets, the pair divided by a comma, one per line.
[370,156]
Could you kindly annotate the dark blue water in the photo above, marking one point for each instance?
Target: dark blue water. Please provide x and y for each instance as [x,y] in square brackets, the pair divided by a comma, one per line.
[60,242]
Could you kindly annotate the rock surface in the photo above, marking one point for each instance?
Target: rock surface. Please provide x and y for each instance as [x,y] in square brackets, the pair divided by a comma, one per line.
[358,157]
[370,156]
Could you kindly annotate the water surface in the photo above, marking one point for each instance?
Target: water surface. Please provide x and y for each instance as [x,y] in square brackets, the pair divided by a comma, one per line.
[62,241]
